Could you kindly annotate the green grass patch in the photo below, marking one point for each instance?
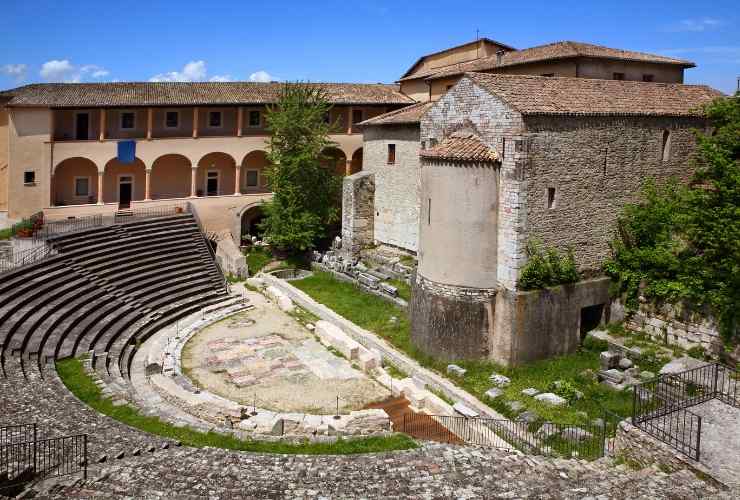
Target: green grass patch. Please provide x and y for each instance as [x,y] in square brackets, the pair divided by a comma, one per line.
[395,372]
[74,376]
[373,313]
[404,289]
[257,259]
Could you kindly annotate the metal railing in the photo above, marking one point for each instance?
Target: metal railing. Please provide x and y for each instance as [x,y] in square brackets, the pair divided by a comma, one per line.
[24,461]
[660,406]
[587,441]
[10,434]
[194,212]
[71,225]
[27,227]
[17,258]
[151,212]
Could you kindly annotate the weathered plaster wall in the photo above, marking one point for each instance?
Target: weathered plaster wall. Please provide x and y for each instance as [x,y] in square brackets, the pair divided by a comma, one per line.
[3,159]
[396,186]
[29,132]
[596,166]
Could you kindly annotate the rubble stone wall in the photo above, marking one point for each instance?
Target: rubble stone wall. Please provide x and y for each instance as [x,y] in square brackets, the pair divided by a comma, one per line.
[397,185]
[358,199]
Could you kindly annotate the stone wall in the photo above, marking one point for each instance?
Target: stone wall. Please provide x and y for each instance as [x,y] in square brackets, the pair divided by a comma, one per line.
[596,166]
[230,258]
[358,193]
[468,107]
[676,326]
[397,185]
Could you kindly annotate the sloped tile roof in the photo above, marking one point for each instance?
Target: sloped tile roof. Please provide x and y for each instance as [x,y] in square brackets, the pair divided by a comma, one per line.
[408,115]
[531,95]
[468,148]
[551,51]
[189,94]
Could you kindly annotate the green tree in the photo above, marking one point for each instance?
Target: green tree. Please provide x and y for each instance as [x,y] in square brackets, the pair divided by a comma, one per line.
[682,243]
[307,195]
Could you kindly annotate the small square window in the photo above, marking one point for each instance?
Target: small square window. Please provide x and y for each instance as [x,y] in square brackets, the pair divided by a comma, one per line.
[357,116]
[252,178]
[29,177]
[391,154]
[255,119]
[82,186]
[551,197]
[327,117]
[648,78]
[128,120]
[617,76]
[172,119]
[214,119]
[549,75]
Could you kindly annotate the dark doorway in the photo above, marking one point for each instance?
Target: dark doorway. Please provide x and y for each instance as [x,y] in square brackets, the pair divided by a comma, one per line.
[124,194]
[212,184]
[250,222]
[591,318]
[82,127]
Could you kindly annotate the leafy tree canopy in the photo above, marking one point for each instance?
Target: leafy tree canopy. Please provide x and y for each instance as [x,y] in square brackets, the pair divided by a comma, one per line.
[307,194]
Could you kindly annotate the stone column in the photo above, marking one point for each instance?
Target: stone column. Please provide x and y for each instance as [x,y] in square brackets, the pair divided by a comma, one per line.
[102,125]
[237,189]
[239,121]
[100,187]
[148,184]
[358,217]
[349,120]
[193,171]
[149,118]
[348,167]
[195,123]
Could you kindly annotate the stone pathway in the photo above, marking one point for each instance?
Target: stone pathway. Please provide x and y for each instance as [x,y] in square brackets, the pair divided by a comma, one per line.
[720,440]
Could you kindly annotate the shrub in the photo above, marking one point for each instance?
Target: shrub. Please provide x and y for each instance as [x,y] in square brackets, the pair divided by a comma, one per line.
[547,268]
[565,389]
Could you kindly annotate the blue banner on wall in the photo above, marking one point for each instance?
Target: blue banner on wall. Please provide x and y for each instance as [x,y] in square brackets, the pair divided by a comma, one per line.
[126,151]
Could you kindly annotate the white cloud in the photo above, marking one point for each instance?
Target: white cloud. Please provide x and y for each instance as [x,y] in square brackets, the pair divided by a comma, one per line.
[64,71]
[16,71]
[194,71]
[262,76]
[220,78]
[696,25]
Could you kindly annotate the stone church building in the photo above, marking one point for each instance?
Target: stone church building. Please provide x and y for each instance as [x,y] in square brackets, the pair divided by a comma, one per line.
[501,159]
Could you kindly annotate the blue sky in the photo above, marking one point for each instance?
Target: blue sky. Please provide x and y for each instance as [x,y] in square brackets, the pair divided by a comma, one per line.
[349,41]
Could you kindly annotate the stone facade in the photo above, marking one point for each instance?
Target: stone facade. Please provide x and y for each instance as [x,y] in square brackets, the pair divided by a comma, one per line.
[358,192]
[397,185]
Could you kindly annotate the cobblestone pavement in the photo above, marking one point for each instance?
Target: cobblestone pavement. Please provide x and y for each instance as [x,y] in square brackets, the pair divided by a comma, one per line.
[432,472]
[720,440]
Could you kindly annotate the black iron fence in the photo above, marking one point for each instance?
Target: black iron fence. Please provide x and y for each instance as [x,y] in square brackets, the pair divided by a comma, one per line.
[22,461]
[70,225]
[660,406]
[587,441]
[16,258]
[151,212]
[26,228]
[22,433]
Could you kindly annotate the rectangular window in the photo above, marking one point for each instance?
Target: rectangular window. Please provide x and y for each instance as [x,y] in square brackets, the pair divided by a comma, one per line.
[617,76]
[82,186]
[252,178]
[429,212]
[327,117]
[29,177]
[214,119]
[549,75]
[172,119]
[128,120]
[647,78]
[357,116]
[551,197]
[255,119]
[391,154]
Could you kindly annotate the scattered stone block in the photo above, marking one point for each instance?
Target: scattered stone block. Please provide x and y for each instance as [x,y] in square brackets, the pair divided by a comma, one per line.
[647,375]
[575,434]
[389,289]
[528,417]
[493,392]
[681,365]
[499,380]
[366,422]
[120,455]
[546,431]
[515,406]
[551,399]
[368,280]
[368,360]
[613,385]
[625,363]
[608,360]
[333,336]
[456,370]
[531,392]
[464,410]
[614,375]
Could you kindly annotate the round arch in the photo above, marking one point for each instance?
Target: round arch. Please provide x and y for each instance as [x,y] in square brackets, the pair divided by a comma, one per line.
[336,160]
[249,217]
[75,182]
[356,165]
[170,177]
[215,175]
[124,182]
[252,177]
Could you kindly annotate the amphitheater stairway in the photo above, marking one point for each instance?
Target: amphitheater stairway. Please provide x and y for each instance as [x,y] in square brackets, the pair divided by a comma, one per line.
[106,290]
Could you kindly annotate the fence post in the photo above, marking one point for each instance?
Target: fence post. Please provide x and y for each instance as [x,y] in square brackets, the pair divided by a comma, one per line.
[698,440]
[35,464]
[634,403]
[404,422]
[716,376]
[84,457]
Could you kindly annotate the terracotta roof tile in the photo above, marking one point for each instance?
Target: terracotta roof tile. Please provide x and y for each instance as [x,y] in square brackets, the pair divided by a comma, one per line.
[581,96]
[557,50]
[409,114]
[468,148]
[189,93]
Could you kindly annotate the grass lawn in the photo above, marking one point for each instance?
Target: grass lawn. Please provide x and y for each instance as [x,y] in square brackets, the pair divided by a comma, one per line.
[72,373]
[259,258]
[374,314]
[404,289]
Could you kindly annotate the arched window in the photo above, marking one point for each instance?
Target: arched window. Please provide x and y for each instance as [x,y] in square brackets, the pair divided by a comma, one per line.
[666,150]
